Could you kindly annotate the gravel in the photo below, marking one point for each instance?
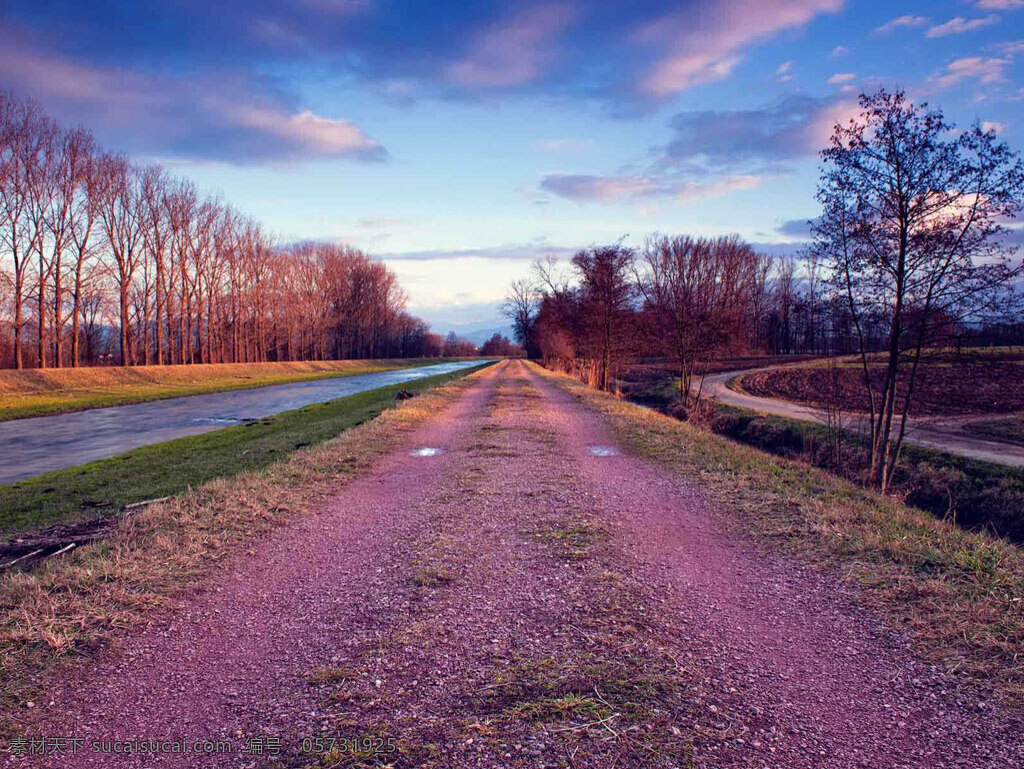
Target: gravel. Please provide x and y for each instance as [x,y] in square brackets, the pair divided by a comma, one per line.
[516,600]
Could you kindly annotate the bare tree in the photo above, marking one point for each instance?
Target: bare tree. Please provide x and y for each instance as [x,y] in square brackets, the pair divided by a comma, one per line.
[84,213]
[121,214]
[606,293]
[908,233]
[17,123]
[520,307]
[697,292]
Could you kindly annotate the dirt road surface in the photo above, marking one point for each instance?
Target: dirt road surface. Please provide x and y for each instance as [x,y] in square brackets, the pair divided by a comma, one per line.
[521,600]
[935,433]
[30,447]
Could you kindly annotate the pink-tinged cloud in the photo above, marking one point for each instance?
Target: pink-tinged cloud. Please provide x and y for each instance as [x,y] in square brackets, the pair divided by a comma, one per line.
[585,188]
[761,140]
[822,126]
[228,117]
[985,70]
[514,52]
[705,45]
[309,133]
[958,25]
[901,22]
[1000,5]
[841,78]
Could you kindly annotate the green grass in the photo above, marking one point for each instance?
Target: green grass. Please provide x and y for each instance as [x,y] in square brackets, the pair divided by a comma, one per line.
[1010,429]
[976,494]
[35,392]
[164,469]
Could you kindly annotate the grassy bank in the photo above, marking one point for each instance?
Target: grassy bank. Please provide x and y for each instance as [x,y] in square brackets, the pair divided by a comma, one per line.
[71,607]
[1010,429]
[960,594]
[50,391]
[972,493]
[103,487]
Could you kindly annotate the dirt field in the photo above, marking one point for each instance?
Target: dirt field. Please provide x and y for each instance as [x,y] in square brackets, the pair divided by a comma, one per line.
[648,381]
[947,385]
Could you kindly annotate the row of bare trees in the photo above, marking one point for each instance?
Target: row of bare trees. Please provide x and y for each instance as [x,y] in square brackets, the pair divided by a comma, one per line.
[105,261]
[688,299]
[909,253]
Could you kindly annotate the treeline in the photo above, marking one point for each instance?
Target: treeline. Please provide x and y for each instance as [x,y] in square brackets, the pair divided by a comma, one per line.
[695,300]
[689,299]
[105,261]
[500,346]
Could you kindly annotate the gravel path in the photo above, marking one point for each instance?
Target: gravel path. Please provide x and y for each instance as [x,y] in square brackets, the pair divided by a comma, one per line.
[940,433]
[518,599]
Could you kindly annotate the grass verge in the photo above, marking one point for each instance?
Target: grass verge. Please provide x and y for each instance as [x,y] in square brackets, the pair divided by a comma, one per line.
[972,493]
[960,594]
[71,607]
[163,469]
[1009,429]
[38,392]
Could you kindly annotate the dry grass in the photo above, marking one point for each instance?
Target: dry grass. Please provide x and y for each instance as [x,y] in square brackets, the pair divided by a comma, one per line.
[70,608]
[35,392]
[961,594]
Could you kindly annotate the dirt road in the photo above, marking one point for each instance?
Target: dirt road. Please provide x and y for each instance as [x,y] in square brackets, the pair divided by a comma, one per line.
[936,433]
[520,599]
[30,447]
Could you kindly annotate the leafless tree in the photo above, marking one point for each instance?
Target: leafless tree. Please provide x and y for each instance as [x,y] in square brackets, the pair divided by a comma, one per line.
[121,214]
[18,121]
[697,293]
[911,215]
[520,307]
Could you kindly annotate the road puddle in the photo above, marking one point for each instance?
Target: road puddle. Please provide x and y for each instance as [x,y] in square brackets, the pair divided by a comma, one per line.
[425,451]
[602,451]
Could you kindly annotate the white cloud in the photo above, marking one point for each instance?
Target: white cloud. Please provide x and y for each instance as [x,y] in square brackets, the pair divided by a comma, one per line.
[958,25]
[784,71]
[705,45]
[514,52]
[989,125]
[1000,5]
[308,132]
[227,117]
[841,77]
[901,22]
[838,52]
[984,70]
[585,188]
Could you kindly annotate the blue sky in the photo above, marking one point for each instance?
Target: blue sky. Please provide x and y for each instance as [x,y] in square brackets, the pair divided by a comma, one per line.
[460,140]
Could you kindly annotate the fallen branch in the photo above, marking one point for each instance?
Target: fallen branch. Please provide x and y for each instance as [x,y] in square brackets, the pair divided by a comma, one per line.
[144,503]
[22,558]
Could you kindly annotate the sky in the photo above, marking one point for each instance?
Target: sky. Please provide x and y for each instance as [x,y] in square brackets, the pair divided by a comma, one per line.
[458,141]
